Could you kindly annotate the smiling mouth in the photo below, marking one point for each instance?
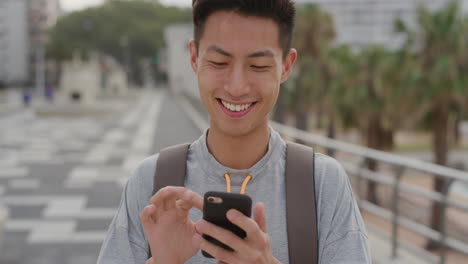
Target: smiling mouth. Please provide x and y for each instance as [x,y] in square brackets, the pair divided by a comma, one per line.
[235,107]
[235,110]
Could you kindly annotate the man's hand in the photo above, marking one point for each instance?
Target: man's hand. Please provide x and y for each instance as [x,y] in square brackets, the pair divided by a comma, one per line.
[255,248]
[167,226]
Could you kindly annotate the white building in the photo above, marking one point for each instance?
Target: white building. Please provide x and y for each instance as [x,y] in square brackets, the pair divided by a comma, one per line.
[21,24]
[52,11]
[364,22]
[43,15]
[14,48]
[180,73]
[80,80]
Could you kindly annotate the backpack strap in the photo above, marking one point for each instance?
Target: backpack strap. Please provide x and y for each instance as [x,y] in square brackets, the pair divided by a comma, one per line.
[170,170]
[300,192]
[171,167]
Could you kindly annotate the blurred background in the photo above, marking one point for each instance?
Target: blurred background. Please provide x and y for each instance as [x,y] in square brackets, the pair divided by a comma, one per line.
[88,88]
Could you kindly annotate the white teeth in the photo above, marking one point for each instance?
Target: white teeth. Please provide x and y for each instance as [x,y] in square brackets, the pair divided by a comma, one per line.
[235,108]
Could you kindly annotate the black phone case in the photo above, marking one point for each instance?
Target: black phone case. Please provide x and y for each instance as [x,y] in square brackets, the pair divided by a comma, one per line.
[216,214]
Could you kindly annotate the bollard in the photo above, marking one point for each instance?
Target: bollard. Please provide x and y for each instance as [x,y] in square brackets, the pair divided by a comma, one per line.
[3,219]
[395,202]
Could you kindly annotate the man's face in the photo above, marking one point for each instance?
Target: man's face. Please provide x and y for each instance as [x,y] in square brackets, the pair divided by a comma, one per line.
[239,65]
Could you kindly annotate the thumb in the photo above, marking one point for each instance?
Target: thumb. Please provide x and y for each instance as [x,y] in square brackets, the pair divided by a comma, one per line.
[259,216]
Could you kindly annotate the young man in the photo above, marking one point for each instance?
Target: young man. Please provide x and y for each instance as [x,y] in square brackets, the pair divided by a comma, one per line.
[241,54]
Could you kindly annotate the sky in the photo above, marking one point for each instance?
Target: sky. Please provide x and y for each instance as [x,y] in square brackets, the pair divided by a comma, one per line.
[73,5]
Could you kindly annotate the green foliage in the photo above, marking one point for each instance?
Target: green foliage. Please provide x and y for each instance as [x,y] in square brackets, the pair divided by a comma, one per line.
[105,28]
[442,38]
[315,31]
[427,71]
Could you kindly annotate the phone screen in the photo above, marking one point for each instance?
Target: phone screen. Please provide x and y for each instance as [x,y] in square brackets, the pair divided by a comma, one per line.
[216,205]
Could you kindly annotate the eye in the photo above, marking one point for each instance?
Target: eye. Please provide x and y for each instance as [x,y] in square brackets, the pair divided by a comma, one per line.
[218,63]
[257,67]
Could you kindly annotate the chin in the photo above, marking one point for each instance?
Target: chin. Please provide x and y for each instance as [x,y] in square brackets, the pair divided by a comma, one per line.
[235,129]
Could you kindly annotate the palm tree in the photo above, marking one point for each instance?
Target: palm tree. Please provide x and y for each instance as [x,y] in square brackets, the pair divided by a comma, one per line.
[343,68]
[462,65]
[440,42]
[371,91]
[370,102]
[315,31]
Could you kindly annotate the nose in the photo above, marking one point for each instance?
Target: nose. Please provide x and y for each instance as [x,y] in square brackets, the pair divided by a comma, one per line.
[237,83]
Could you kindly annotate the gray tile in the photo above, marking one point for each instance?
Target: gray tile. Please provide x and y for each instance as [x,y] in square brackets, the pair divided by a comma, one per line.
[25,212]
[104,194]
[93,225]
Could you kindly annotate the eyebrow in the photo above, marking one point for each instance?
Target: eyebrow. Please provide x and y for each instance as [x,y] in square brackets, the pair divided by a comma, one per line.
[262,53]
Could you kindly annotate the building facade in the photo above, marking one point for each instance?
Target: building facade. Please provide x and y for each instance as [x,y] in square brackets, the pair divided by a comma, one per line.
[14,44]
[365,22]
[23,34]
[177,58]
[43,15]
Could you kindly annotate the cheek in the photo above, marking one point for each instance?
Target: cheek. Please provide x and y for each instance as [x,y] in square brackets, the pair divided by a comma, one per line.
[210,78]
[267,83]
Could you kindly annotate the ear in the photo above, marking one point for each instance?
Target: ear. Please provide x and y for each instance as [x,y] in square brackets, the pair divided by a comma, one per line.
[193,55]
[288,65]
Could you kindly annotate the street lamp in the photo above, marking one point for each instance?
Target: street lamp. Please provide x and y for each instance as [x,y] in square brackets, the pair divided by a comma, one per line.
[40,55]
[125,44]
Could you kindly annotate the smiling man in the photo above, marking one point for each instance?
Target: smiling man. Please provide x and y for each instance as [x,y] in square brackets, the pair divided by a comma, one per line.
[241,54]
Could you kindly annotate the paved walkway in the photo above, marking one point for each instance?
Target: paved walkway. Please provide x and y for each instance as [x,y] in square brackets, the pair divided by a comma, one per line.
[61,178]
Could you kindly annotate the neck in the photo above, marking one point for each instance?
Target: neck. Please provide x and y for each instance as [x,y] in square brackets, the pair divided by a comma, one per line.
[239,152]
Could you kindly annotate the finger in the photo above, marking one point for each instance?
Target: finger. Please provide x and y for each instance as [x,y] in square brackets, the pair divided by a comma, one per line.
[149,261]
[147,216]
[183,205]
[224,236]
[182,209]
[196,200]
[157,197]
[167,196]
[259,216]
[191,199]
[219,253]
[254,233]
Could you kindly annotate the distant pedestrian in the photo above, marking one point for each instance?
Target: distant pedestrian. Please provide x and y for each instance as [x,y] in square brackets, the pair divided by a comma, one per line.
[26,97]
[49,93]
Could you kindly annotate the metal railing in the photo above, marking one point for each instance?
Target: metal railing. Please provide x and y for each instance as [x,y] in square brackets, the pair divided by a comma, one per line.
[400,164]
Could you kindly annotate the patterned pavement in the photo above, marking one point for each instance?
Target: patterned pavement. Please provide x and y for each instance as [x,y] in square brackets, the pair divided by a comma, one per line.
[61,177]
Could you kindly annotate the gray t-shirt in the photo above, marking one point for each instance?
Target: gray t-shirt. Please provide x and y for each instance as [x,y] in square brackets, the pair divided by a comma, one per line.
[341,231]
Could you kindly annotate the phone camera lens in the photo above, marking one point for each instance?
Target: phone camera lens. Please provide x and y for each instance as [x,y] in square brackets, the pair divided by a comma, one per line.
[214,200]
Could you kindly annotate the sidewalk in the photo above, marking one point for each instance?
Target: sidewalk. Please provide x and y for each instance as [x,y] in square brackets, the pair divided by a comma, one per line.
[381,250]
[10,101]
[62,177]
[379,232]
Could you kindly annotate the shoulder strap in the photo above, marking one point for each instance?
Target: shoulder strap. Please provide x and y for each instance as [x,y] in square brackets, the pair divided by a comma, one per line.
[171,167]
[300,189]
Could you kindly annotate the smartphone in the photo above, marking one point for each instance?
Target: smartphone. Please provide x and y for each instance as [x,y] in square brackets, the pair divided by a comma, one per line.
[215,207]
